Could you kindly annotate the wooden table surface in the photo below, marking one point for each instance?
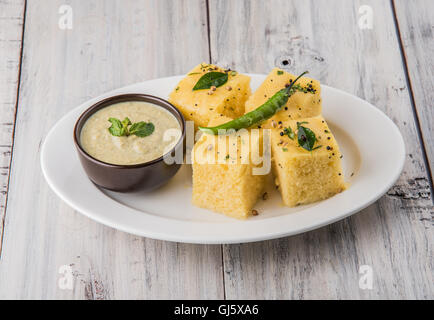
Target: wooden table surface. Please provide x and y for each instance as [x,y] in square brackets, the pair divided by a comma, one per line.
[47,70]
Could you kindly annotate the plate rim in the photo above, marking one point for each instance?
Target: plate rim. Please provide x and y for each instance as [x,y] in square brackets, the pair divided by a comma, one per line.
[227,239]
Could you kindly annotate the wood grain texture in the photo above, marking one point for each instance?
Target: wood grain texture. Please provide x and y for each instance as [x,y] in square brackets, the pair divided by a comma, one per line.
[416,27]
[11,30]
[112,44]
[395,235]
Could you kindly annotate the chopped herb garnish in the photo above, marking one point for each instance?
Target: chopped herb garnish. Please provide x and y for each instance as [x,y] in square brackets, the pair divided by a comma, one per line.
[227,157]
[120,128]
[233,73]
[211,79]
[279,72]
[192,73]
[285,149]
[177,88]
[288,131]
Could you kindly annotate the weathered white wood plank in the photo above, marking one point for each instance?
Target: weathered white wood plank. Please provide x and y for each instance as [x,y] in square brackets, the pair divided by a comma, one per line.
[416,27]
[11,27]
[112,44]
[394,236]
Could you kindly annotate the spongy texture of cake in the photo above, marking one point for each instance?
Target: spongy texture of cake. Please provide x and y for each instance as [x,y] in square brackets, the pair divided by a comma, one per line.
[304,176]
[228,185]
[305,102]
[200,106]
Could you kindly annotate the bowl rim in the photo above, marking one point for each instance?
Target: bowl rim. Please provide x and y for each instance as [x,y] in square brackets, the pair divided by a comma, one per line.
[162,103]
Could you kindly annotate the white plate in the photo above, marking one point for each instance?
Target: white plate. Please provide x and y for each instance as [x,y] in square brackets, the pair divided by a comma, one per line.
[373,151]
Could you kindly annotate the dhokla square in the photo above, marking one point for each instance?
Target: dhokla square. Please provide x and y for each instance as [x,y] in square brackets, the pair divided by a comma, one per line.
[306,161]
[201,104]
[224,179]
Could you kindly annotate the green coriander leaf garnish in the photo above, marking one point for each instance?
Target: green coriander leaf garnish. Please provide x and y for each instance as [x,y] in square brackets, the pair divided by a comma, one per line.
[126,122]
[142,129]
[211,79]
[285,149]
[306,138]
[233,73]
[279,72]
[288,131]
[120,128]
[116,129]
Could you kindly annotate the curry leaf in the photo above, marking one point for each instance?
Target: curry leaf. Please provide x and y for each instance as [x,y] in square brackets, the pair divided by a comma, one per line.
[306,138]
[211,79]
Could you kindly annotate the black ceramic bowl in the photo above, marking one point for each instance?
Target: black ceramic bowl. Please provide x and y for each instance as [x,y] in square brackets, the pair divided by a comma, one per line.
[124,178]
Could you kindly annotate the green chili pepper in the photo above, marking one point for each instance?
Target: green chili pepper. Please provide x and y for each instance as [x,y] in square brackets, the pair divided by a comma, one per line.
[263,112]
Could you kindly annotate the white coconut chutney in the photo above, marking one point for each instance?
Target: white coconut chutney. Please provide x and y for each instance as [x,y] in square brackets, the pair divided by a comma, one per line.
[98,142]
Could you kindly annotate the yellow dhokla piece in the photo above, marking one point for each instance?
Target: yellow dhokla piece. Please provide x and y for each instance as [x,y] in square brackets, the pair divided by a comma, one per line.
[306,176]
[201,106]
[304,103]
[228,185]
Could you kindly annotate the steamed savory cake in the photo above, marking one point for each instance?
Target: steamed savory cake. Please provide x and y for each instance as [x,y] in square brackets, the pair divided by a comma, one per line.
[201,106]
[304,176]
[305,102]
[228,186]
